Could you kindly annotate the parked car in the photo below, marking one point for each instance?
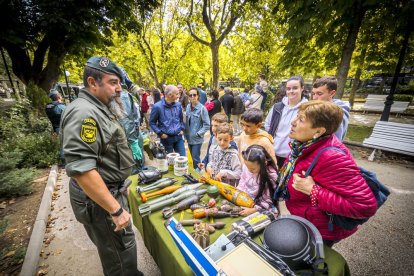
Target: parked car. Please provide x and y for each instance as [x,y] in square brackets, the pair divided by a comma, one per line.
[69,94]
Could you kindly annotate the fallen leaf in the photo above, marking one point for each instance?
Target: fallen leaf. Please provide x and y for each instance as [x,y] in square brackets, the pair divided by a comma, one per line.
[42,272]
[9,254]
[3,205]
[11,201]
[41,179]
[11,231]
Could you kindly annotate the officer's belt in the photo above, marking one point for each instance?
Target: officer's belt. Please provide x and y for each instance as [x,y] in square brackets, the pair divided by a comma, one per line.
[112,186]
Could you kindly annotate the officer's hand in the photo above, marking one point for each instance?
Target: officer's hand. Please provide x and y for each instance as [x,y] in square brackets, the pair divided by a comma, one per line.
[164,136]
[122,221]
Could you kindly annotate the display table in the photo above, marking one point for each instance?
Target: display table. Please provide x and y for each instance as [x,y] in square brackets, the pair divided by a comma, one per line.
[164,250]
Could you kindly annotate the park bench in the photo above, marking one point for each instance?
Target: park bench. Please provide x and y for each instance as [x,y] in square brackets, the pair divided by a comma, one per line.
[376,103]
[394,137]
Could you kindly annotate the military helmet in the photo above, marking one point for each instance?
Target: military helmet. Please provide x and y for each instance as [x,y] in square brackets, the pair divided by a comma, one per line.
[296,241]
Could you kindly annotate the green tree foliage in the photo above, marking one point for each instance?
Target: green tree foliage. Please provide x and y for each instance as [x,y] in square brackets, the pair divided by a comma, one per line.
[187,65]
[162,42]
[333,27]
[382,35]
[38,34]
[255,47]
[218,19]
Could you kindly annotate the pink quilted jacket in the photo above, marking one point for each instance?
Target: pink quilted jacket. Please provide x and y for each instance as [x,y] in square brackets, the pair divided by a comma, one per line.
[344,191]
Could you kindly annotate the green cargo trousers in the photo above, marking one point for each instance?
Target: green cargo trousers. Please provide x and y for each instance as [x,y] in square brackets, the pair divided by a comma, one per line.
[117,250]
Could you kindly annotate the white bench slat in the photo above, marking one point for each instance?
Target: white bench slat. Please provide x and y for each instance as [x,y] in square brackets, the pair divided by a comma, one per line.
[394,137]
[386,123]
[377,103]
[390,144]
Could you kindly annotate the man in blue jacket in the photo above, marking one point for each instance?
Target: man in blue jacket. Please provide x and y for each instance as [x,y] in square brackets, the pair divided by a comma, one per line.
[166,120]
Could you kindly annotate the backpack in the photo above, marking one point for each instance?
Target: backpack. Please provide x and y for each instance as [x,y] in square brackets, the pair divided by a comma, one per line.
[380,191]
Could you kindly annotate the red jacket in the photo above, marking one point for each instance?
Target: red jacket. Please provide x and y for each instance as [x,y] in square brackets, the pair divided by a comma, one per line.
[144,103]
[344,191]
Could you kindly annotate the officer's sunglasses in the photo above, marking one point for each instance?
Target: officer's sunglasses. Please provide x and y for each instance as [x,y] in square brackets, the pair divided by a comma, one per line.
[192,95]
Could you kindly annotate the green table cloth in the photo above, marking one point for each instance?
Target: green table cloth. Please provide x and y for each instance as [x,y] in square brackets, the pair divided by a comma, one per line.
[164,250]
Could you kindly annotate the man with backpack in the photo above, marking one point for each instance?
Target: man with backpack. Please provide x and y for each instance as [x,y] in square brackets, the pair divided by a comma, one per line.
[55,109]
[54,112]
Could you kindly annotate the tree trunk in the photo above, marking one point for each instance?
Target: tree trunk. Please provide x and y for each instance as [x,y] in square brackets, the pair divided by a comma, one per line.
[381,88]
[28,72]
[348,49]
[390,98]
[215,62]
[357,78]
[50,74]
[355,86]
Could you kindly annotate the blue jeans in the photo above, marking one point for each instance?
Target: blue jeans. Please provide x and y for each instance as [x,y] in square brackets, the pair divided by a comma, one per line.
[195,154]
[174,144]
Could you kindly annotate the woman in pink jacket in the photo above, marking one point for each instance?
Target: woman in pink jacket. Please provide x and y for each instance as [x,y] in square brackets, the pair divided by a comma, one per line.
[334,185]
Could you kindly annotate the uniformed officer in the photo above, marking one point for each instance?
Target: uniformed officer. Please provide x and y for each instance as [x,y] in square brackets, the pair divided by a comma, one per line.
[55,109]
[98,160]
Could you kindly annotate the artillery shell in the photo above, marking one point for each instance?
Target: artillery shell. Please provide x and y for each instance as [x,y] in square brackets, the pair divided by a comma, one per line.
[196,206]
[218,225]
[226,208]
[237,209]
[225,202]
[189,222]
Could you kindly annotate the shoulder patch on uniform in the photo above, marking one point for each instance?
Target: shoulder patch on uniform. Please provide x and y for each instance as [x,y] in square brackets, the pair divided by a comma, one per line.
[88,131]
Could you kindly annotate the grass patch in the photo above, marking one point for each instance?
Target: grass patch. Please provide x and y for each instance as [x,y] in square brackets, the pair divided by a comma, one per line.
[20,254]
[357,133]
[3,225]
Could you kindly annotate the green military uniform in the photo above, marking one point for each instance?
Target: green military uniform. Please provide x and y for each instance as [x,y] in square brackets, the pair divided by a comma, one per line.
[92,139]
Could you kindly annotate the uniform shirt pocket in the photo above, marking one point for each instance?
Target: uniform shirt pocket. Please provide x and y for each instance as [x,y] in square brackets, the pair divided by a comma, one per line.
[125,159]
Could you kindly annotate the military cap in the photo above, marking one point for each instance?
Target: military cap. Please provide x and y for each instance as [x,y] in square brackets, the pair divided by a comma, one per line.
[105,65]
[53,92]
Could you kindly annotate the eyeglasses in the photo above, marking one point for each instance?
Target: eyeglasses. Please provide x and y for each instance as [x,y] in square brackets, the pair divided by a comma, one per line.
[192,95]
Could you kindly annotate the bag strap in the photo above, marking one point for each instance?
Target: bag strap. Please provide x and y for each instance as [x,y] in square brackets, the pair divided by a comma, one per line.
[256,99]
[315,159]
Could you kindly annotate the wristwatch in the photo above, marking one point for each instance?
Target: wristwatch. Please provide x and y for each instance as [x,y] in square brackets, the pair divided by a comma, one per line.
[118,212]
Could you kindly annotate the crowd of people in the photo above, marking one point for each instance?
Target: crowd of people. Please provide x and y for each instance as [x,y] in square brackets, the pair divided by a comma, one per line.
[100,129]
[272,152]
